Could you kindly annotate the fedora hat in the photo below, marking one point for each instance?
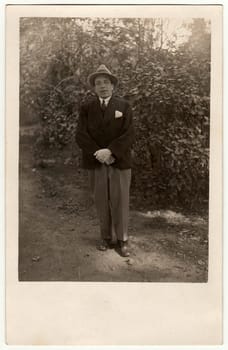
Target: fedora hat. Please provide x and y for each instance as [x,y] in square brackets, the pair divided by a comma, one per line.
[102,70]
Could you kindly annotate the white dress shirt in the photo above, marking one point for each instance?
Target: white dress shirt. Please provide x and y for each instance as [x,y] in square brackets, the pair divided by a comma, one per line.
[106,100]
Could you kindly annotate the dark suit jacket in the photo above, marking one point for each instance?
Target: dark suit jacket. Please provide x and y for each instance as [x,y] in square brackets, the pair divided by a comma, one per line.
[96,131]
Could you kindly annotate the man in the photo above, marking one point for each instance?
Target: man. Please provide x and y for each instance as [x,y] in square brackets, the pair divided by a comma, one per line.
[105,135]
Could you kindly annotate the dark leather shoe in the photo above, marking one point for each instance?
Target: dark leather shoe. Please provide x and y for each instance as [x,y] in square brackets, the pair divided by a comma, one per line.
[124,249]
[104,245]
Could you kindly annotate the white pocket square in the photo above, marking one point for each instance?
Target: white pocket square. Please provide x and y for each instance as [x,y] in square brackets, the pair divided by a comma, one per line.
[118,114]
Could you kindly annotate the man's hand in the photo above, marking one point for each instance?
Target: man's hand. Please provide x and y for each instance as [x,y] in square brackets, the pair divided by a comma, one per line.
[103,155]
[110,160]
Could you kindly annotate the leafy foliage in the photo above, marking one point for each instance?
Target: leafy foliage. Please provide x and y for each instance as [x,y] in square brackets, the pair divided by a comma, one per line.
[167,82]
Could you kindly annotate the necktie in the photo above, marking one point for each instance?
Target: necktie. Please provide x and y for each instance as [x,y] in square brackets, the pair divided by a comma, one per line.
[103,106]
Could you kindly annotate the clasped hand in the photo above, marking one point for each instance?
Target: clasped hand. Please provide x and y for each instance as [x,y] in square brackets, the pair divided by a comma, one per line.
[104,155]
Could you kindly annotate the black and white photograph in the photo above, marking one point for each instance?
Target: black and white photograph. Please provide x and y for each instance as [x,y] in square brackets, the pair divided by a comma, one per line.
[114,175]
[114,149]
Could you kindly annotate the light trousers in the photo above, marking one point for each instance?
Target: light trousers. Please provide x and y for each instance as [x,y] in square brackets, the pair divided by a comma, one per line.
[110,189]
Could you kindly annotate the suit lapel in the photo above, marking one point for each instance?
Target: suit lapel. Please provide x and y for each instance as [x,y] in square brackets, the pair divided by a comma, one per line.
[97,110]
[109,112]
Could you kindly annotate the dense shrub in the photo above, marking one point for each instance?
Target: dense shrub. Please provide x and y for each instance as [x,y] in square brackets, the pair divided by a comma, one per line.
[167,84]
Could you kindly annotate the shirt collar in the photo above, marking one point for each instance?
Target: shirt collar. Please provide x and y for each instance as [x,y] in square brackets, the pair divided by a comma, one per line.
[105,99]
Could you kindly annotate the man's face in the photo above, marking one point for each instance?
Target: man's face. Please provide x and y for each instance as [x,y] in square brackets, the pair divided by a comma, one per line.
[103,86]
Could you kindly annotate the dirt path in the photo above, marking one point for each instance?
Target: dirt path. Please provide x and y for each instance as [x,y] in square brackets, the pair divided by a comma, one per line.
[59,232]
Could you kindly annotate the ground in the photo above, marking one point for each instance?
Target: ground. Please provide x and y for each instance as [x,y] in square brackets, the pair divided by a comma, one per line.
[59,231]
